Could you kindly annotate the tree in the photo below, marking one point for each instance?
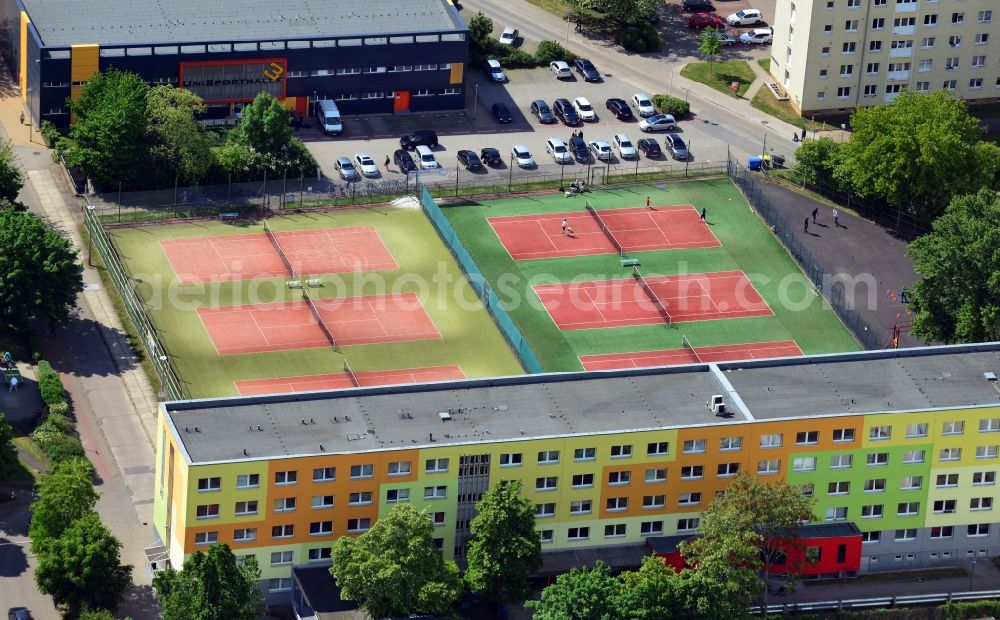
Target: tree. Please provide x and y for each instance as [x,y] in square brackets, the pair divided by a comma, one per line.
[263,142]
[817,160]
[710,46]
[64,496]
[265,125]
[8,453]
[394,569]
[111,130]
[581,594]
[656,592]
[82,568]
[504,548]
[958,297]
[744,532]
[97,614]
[622,12]
[40,278]
[11,174]
[181,144]
[480,28]
[211,585]
[918,153]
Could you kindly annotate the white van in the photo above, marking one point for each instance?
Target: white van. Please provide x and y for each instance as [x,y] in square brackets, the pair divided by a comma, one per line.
[328,116]
[425,158]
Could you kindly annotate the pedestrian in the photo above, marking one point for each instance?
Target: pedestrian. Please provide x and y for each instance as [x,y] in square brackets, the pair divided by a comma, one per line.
[795,137]
[647,202]
[836,218]
[387,160]
[803,134]
[902,296]
[815,212]
[704,212]
[22,117]
[564,227]
[805,227]
[581,134]
[13,384]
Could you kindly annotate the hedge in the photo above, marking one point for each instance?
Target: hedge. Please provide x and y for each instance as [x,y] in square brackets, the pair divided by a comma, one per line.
[57,445]
[640,38]
[965,610]
[50,384]
[672,105]
[513,58]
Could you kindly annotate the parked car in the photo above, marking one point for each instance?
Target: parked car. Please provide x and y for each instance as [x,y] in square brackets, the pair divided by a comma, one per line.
[706,20]
[560,70]
[346,169]
[470,160]
[727,39]
[624,146]
[425,158]
[425,137]
[509,35]
[678,149]
[746,17]
[522,156]
[760,36]
[19,613]
[619,107]
[659,122]
[650,148]
[495,71]
[587,69]
[366,163]
[491,157]
[557,148]
[584,109]
[601,150]
[403,160]
[643,105]
[578,147]
[565,110]
[697,5]
[542,112]
[501,113]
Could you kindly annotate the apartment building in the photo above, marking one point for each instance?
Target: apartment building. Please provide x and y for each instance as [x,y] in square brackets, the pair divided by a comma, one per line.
[899,446]
[830,56]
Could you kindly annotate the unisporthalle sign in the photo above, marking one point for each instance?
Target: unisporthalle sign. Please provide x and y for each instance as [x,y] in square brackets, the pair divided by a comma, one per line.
[228,81]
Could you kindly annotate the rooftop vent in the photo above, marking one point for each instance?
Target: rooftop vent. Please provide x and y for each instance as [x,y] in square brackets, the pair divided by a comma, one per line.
[990,376]
[717,405]
[444,415]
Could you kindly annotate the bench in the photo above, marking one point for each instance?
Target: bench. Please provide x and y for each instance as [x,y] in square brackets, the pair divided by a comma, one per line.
[314,282]
[229,215]
[630,262]
[294,284]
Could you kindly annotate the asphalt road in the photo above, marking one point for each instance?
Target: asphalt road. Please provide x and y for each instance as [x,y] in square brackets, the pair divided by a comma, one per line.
[17,565]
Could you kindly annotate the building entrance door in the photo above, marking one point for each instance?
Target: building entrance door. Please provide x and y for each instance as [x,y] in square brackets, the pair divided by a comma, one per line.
[401,101]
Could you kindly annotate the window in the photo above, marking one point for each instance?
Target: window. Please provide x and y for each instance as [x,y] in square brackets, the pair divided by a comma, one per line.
[836,514]
[771,466]
[916,430]
[322,501]
[956,427]
[984,17]
[983,478]
[360,498]
[320,553]
[621,452]
[914,456]
[321,528]
[547,457]
[543,511]
[583,480]
[694,446]
[849,48]
[838,488]
[878,23]
[547,483]
[987,425]
[546,536]
[286,477]
[927,43]
[656,474]
[585,454]
[578,533]
[982,38]
[207,511]
[824,51]
[907,509]
[870,537]
[771,440]
[911,483]
[986,452]
[248,481]
[362,471]
[853,4]
[946,480]
[823,74]
[981,503]
[619,477]
[955,40]
[807,438]
[437,518]
[282,531]
[851,25]
[730,443]
[692,472]
[280,558]
[400,468]
[688,525]
[615,530]
[874,485]
[689,499]
[944,506]
[438,492]
[658,448]
[580,507]
[874,46]
[245,534]
[807,490]
[828,29]
[906,535]
[877,459]
[978,529]
[930,20]
[617,504]
[843,435]
[359,525]
[950,454]
[922,87]
[804,463]
[844,92]
[879,433]
[942,532]
[209,484]
[821,95]
[872,68]
[651,528]
[873,511]
[728,469]
[957,18]
[435,466]
[279,584]
[653,501]
[248,507]
[511,459]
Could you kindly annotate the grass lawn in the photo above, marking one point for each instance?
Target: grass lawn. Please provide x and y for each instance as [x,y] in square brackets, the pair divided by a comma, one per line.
[765,101]
[747,244]
[720,74]
[765,64]
[469,338]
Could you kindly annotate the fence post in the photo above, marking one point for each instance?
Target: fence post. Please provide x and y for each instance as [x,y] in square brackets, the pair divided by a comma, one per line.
[302,180]
[176,182]
[119,202]
[458,168]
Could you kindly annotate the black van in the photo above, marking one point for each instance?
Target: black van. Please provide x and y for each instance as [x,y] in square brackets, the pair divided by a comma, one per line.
[421,137]
[579,149]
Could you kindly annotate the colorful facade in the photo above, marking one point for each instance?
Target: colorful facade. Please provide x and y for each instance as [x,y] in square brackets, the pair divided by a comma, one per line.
[918,482]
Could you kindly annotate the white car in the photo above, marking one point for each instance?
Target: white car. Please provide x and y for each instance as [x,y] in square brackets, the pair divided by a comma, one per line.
[759,36]
[495,71]
[746,17]
[624,146]
[601,150]
[659,122]
[509,35]
[559,152]
[560,70]
[643,105]
[584,109]
[522,156]
[366,164]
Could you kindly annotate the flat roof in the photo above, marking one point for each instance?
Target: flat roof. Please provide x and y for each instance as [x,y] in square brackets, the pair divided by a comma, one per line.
[113,22]
[564,404]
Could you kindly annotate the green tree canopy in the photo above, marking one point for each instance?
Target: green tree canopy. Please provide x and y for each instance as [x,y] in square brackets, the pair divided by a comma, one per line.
[622,12]
[40,277]
[111,130]
[480,28]
[918,153]
[394,569]
[11,174]
[82,568]
[263,142]
[211,585]
[8,453]
[182,146]
[65,495]
[958,297]
[710,45]
[657,592]
[817,160]
[581,594]
[504,549]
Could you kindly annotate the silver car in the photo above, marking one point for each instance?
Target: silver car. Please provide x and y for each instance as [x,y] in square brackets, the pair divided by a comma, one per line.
[624,146]
[658,122]
[560,154]
[346,169]
[678,150]
[601,150]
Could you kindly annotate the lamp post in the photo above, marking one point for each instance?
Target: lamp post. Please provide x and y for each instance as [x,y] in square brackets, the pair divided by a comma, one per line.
[673,64]
[475,102]
[972,574]
[510,176]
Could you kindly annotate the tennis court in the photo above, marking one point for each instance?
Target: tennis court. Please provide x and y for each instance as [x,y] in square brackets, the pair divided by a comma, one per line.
[695,355]
[537,236]
[309,252]
[623,302]
[342,380]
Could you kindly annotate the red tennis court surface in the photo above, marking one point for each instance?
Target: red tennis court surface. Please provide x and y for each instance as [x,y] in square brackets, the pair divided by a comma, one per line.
[282,326]
[621,303]
[341,380]
[311,252]
[638,230]
[701,355]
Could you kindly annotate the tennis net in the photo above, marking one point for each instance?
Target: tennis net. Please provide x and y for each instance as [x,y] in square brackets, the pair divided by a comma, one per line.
[319,321]
[277,246]
[604,228]
[652,296]
[350,373]
[690,349]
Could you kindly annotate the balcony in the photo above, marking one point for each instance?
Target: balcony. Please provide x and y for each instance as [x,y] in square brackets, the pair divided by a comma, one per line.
[898,75]
[903,30]
[901,52]
[906,7]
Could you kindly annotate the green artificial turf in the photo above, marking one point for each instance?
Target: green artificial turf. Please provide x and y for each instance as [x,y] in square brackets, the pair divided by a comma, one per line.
[747,244]
[470,339]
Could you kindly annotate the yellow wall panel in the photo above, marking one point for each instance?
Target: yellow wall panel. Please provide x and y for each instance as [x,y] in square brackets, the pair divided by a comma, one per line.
[85,62]
[23,71]
[457,72]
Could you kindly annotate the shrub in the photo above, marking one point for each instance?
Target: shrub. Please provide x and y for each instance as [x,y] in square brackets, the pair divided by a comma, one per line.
[514,58]
[50,384]
[671,105]
[550,50]
[49,133]
[640,38]
[56,422]
[59,409]
[56,445]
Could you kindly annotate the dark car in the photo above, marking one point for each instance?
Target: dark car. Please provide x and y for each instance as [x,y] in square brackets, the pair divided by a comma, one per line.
[542,112]
[18,613]
[565,110]
[421,137]
[650,148]
[697,5]
[706,20]
[491,157]
[578,147]
[619,107]
[501,113]
[470,160]
[404,161]
[587,69]
[678,149]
